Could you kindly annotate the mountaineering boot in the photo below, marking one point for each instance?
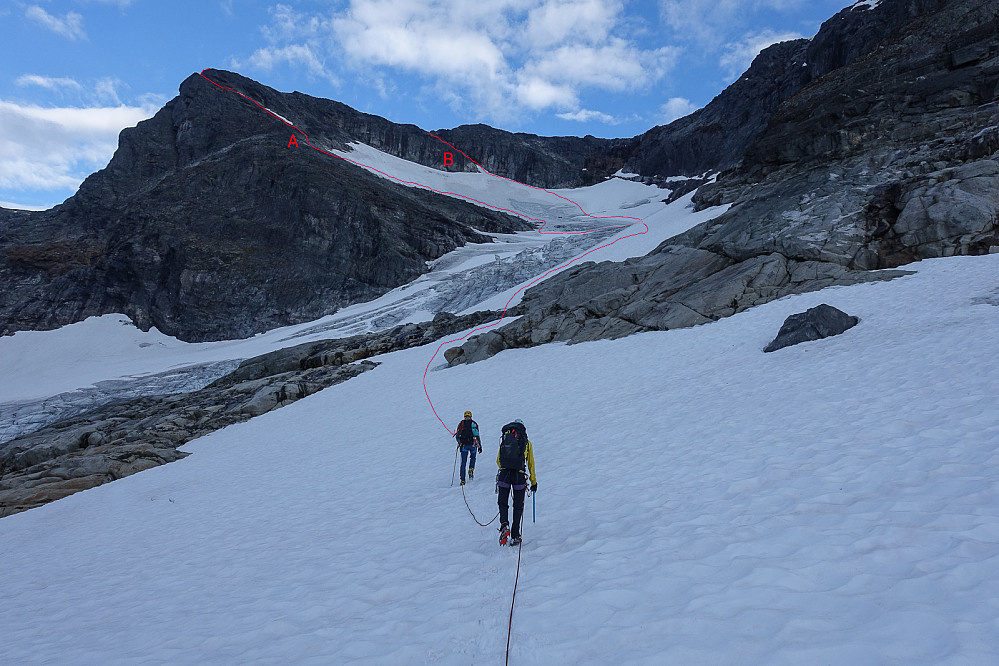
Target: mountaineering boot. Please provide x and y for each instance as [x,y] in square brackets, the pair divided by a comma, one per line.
[504,533]
[515,541]
[471,473]
[463,482]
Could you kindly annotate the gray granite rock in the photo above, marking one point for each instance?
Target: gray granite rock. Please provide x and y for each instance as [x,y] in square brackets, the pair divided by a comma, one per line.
[677,287]
[816,323]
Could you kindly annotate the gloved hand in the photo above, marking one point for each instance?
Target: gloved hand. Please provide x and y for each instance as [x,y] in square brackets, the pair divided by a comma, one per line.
[534,488]
[480,448]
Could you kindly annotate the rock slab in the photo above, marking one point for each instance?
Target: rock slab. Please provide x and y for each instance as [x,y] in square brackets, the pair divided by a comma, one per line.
[816,323]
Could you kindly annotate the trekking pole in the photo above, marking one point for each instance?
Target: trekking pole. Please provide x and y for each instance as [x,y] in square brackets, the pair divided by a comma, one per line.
[534,505]
[455,467]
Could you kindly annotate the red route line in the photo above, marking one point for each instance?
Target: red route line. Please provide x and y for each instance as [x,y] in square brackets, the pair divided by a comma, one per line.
[476,201]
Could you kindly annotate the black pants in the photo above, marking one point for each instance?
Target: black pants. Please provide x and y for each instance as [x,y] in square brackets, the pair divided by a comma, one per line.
[506,481]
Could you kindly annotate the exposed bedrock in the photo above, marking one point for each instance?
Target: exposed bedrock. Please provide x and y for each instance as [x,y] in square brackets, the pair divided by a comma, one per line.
[886,158]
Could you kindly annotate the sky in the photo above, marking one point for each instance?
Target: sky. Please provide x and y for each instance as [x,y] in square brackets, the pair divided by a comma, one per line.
[73,73]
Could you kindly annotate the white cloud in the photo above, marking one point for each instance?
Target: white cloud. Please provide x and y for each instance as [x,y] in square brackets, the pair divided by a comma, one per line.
[296,40]
[738,56]
[536,94]
[587,21]
[70,25]
[675,108]
[101,92]
[51,83]
[708,23]
[616,65]
[411,36]
[268,58]
[586,115]
[56,148]
[106,91]
[495,59]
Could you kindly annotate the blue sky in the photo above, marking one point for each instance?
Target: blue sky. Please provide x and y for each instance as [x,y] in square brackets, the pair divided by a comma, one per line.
[75,72]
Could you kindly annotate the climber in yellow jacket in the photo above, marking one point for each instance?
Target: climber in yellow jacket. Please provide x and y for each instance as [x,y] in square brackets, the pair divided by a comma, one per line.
[515,460]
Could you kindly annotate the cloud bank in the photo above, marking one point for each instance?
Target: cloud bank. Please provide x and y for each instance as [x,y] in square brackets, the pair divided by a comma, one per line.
[495,60]
[53,149]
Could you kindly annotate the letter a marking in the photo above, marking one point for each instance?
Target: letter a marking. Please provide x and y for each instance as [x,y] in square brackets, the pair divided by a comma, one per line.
[292,142]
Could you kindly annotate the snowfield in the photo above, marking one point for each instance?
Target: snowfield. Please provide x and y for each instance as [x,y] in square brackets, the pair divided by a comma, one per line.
[700,502]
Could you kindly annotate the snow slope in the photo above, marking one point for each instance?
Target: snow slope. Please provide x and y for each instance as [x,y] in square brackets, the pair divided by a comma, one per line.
[611,203]
[700,502]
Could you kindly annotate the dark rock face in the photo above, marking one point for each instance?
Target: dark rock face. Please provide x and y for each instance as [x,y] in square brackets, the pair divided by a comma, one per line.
[872,145]
[208,226]
[816,323]
[716,137]
[889,160]
[856,31]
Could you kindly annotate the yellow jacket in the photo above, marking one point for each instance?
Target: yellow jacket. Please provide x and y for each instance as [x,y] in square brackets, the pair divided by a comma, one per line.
[529,456]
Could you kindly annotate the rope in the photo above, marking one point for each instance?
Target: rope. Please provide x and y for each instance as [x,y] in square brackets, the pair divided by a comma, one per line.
[473,514]
[516,580]
[509,626]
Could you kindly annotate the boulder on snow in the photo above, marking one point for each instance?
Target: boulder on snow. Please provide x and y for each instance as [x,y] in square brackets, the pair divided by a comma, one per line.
[815,323]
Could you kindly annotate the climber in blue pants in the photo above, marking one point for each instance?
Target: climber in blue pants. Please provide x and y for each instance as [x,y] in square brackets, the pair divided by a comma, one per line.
[467,434]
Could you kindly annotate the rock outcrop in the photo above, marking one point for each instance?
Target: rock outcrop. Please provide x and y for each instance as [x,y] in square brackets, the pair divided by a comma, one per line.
[816,323]
[911,125]
[121,438]
[676,287]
